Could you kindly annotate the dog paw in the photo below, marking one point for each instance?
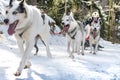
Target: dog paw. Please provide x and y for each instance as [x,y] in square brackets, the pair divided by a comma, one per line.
[78,53]
[94,53]
[82,54]
[35,54]
[68,51]
[49,55]
[71,56]
[90,51]
[17,73]
[26,67]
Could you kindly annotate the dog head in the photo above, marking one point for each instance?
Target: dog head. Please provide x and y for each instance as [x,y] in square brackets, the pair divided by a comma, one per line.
[96,26]
[95,29]
[15,14]
[66,21]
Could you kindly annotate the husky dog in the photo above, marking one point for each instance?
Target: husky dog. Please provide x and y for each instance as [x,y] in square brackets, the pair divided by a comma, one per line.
[93,32]
[74,34]
[26,23]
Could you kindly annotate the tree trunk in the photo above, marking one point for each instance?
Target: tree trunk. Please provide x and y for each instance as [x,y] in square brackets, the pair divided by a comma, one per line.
[32,2]
[110,20]
[65,6]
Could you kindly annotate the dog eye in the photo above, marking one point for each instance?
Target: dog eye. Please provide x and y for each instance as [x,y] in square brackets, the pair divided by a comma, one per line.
[67,19]
[15,12]
[6,12]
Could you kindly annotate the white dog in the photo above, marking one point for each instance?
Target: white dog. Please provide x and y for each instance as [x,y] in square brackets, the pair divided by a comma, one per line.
[74,33]
[26,23]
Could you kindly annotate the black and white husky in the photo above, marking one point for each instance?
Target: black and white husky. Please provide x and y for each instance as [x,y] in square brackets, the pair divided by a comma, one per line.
[74,34]
[26,23]
[93,32]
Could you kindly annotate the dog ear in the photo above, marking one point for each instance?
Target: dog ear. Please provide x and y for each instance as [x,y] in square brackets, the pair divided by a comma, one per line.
[21,7]
[10,3]
[22,2]
[72,16]
[64,14]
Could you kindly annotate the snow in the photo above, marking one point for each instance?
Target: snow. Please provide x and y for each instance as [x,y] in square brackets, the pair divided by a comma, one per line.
[105,65]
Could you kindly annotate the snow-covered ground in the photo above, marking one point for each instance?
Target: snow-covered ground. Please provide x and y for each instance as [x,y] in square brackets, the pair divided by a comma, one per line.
[103,66]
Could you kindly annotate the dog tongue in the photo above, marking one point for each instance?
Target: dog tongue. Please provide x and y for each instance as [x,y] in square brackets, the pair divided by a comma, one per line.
[94,34]
[65,29]
[11,29]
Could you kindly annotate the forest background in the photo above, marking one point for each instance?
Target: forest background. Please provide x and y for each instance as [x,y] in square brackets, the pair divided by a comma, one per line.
[109,11]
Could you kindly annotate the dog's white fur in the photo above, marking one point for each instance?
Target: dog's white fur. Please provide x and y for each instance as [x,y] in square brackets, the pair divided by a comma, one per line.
[79,37]
[31,25]
[93,41]
[2,16]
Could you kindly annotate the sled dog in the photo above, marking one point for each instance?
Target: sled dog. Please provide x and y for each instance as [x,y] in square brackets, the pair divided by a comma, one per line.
[26,23]
[74,34]
[93,32]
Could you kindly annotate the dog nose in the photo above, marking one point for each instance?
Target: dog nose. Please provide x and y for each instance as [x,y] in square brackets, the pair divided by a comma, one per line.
[6,21]
[63,23]
[95,29]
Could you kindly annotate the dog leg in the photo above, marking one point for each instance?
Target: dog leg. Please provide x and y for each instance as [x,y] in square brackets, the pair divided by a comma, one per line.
[68,47]
[90,45]
[78,47]
[82,52]
[36,47]
[24,60]
[27,65]
[20,43]
[73,46]
[46,42]
[48,51]
[71,55]
[83,46]
[96,48]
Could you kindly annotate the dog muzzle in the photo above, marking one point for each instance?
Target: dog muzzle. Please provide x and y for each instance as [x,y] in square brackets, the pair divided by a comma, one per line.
[66,27]
[11,29]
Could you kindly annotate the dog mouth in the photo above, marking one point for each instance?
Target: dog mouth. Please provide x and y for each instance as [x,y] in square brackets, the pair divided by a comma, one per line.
[96,21]
[66,27]
[11,29]
[94,34]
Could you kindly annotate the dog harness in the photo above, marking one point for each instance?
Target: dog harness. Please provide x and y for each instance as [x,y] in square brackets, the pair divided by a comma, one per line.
[72,33]
[43,17]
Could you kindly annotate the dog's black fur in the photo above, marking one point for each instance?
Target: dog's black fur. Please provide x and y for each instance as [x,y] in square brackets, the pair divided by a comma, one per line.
[21,8]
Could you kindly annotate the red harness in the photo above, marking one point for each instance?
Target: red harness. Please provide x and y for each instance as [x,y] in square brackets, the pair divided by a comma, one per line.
[63,31]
